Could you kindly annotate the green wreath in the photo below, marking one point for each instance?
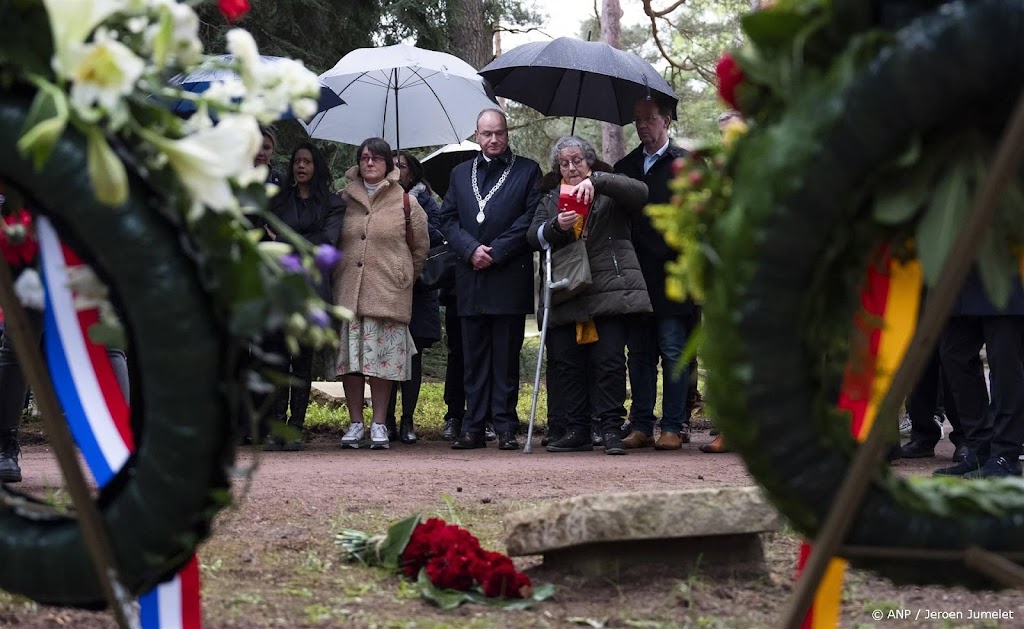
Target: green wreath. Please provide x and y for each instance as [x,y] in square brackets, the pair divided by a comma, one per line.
[160,506]
[799,216]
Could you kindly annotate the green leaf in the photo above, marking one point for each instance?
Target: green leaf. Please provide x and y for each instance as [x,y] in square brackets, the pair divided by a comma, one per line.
[109,179]
[942,221]
[108,335]
[997,268]
[772,28]
[396,541]
[444,598]
[45,123]
[247,317]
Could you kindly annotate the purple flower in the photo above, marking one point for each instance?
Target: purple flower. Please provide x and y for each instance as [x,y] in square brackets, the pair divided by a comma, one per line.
[291,263]
[326,256]
[319,318]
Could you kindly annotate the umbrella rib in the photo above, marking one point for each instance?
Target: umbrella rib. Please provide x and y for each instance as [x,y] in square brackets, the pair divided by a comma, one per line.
[445,110]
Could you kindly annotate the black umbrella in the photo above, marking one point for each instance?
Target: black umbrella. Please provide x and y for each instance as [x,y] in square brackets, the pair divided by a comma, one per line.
[572,77]
[437,167]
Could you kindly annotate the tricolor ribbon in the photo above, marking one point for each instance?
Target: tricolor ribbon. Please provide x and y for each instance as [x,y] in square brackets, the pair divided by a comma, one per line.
[98,414]
[890,301]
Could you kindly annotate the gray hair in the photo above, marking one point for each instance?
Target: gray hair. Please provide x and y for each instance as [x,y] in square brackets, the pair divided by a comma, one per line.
[492,110]
[572,142]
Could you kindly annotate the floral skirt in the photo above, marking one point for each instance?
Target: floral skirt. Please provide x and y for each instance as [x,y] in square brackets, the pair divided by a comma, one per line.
[376,347]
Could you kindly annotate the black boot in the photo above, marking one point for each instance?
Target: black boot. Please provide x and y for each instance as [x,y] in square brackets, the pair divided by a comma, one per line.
[406,432]
[389,421]
[576,440]
[10,449]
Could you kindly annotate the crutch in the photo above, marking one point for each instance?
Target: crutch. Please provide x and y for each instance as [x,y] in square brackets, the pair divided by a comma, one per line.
[548,287]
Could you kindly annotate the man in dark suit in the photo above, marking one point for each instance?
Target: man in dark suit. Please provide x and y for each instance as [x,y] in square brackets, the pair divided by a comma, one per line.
[993,438]
[665,334]
[489,206]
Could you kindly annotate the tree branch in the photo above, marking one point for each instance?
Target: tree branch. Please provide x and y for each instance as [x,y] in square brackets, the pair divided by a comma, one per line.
[686,64]
[651,12]
[508,29]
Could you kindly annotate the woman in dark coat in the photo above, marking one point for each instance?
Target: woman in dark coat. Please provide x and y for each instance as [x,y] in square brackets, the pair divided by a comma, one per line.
[588,331]
[306,205]
[425,325]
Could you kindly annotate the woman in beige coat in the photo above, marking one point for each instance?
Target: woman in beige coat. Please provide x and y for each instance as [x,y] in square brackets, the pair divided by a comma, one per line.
[374,280]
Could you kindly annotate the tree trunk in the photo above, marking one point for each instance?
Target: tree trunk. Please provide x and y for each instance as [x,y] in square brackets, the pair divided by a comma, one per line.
[612,141]
[472,38]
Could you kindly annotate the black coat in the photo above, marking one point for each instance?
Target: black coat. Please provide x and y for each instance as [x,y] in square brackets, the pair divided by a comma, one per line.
[506,287]
[973,301]
[618,286]
[651,248]
[425,325]
[319,225]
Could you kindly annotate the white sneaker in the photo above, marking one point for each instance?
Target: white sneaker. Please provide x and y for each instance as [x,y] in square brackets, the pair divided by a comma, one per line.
[353,436]
[905,426]
[379,437]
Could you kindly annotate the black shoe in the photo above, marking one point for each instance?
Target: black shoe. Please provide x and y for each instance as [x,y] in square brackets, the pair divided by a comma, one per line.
[508,441]
[613,444]
[273,444]
[297,444]
[998,467]
[489,434]
[917,449]
[968,465]
[392,428]
[576,440]
[10,449]
[406,433]
[960,453]
[452,428]
[555,433]
[596,438]
[469,441]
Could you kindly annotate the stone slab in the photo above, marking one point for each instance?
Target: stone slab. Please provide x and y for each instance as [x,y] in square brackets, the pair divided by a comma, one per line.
[652,515]
[332,394]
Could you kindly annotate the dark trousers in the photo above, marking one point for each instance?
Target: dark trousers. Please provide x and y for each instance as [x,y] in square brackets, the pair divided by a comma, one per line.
[410,388]
[299,368]
[13,388]
[491,347]
[651,339]
[553,383]
[1002,432]
[592,377]
[931,396]
[454,374]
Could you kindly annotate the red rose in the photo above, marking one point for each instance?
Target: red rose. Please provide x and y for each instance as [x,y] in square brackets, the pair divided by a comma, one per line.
[729,76]
[423,544]
[450,571]
[233,10]
[17,239]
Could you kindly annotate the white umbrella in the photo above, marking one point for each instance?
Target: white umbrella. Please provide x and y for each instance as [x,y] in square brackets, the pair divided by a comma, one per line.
[408,96]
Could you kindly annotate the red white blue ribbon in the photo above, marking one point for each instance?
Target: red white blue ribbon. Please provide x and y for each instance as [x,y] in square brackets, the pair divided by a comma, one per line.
[98,414]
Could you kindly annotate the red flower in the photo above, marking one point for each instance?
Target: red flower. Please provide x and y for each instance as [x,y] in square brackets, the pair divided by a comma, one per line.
[729,76]
[233,10]
[450,571]
[17,239]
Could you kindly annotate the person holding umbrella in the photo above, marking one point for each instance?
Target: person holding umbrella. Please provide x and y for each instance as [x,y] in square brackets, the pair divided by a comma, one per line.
[490,205]
[665,334]
[589,330]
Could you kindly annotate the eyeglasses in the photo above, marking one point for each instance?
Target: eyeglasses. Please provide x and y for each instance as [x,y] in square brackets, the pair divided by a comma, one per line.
[366,159]
[576,161]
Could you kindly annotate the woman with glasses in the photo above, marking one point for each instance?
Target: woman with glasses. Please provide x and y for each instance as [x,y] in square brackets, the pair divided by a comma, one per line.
[584,199]
[384,242]
[307,205]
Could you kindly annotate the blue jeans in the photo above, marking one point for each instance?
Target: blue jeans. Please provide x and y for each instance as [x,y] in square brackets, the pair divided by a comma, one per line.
[650,339]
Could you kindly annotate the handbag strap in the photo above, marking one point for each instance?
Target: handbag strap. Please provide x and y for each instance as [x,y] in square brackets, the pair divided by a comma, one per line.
[410,240]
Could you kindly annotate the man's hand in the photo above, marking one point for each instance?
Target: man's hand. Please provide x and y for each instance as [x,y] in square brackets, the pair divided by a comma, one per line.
[583,191]
[481,258]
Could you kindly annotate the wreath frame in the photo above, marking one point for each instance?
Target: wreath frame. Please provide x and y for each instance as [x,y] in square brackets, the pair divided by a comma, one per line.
[160,505]
[762,296]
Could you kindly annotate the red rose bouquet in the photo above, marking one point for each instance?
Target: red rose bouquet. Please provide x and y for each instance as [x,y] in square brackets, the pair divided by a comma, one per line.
[447,562]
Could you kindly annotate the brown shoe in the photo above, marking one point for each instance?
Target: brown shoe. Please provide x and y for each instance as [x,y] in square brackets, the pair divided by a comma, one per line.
[715,447]
[668,441]
[637,439]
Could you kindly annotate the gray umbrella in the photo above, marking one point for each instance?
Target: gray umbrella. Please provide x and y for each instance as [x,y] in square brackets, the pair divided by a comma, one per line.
[572,77]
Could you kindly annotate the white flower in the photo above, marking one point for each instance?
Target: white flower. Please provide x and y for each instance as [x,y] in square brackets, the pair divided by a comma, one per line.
[102,73]
[71,21]
[224,93]
[209,159]
[243,47]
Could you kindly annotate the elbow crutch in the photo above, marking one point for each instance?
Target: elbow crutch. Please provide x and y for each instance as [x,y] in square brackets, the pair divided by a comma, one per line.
[548,287]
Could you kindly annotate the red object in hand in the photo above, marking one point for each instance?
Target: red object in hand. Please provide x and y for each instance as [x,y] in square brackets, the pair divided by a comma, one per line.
[233,10]
[729,76]
[18,240]
[568,202]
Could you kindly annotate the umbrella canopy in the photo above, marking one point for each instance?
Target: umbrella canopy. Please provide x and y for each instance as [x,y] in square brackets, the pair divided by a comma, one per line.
[214,69]
[408,96]
[437,167]
[571,77]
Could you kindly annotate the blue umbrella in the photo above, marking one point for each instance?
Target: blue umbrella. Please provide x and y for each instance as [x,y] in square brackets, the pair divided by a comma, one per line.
[215,69]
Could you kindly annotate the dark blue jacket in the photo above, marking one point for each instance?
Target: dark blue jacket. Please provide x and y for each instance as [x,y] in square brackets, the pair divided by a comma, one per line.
[506,287]
[973,301]
[651,249]
[425,325]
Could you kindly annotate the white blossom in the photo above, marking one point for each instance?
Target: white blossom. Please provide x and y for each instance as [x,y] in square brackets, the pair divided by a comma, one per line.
[71,22]
[102,73]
